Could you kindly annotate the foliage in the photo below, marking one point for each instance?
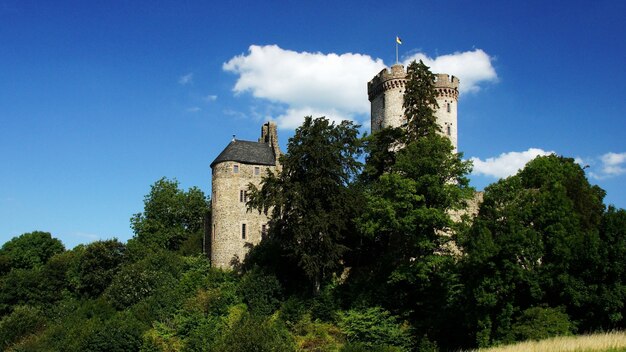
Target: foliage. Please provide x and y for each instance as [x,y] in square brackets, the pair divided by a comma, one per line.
[309,200]
[534,242]
[539,323]
[260,291]
[98,265]
[420,101]
[253,333]
[24,320]
[172,218]
[374,327]
[30,250]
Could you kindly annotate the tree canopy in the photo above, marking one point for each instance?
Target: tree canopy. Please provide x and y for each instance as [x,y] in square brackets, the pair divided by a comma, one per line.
[309,200]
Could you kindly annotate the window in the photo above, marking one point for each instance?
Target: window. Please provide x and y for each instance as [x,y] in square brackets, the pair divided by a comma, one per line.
[257,170]
[383,101]
[243,231]
[448,105]
[243,195]
[449,131]
[263,231]
[235,169]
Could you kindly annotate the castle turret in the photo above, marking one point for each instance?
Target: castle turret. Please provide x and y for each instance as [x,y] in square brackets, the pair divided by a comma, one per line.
[386,94]
[233,227]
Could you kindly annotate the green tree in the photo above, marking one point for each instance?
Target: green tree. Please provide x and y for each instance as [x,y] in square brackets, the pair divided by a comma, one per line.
[406,228]
[31,249]
[98,265]
[534,242]
[420,101]
[172,218]
[310,201]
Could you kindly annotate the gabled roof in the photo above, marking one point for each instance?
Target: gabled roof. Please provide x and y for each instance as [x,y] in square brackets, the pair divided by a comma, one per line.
[247,152]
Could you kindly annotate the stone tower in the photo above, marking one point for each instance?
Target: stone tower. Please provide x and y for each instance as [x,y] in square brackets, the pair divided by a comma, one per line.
[233,228]
[386,94]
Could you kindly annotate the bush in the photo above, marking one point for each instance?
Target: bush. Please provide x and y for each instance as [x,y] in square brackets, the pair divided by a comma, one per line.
[539,323]
[24,320]
[374,327]
[254,333]
[261,292]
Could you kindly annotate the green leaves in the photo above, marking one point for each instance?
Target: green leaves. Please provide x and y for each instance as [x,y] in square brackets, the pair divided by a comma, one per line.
[420,101]
[172,218]
[310,201]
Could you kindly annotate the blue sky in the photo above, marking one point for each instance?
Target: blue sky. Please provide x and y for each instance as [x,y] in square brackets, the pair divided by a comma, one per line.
[98,100]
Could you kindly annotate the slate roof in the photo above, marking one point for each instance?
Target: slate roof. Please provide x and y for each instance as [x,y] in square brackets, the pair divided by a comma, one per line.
[247,152]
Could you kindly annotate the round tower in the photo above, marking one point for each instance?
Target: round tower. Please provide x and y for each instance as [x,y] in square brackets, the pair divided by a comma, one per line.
[234,229]
[386,95]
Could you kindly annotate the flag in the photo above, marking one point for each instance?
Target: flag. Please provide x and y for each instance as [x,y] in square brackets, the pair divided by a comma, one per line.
[398,40]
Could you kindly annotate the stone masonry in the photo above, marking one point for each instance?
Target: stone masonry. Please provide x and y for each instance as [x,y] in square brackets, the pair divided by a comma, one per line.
[233,227]
[386,94]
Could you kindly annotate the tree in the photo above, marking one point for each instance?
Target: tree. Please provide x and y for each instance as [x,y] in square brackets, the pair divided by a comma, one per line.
[535,242]
[31,249]
[413,181]
[172,217]
[420,101]
[310,201]
[97,266]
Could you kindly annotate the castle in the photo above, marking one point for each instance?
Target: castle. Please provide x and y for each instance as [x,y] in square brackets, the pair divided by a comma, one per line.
[233,228]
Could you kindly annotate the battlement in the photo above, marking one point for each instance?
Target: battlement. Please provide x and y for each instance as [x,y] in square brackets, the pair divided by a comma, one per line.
[443,80]
[395,77]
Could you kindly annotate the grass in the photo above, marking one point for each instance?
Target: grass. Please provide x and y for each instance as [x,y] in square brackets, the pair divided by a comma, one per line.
[606,342]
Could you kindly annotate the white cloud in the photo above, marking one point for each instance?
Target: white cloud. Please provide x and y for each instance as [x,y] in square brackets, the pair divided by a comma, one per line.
[210,98]
[193,109]
[293,117]
[303,79]
[186,79]
[506,164]
[332,84]
[471,67]
[612,164]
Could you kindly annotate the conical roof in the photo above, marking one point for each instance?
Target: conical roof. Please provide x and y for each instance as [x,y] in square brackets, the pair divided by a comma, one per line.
[247,152]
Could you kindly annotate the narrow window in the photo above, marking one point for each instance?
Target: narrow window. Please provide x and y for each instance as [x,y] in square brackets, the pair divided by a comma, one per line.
[235,169]
[245,196]
[214,231]
[242,196]
[257,170]
[449,133]
[383,101]
[243,231]
[263,231]
[448,107]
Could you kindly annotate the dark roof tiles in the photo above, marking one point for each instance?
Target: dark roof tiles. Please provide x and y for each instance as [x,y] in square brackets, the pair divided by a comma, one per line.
[247,152]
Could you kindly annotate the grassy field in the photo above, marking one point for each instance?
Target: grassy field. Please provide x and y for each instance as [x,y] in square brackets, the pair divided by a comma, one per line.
[608,342]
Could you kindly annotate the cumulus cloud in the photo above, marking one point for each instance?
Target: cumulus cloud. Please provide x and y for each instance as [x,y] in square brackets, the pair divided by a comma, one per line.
[611,165]
[186,79]
[332,84]
[506,164]
[303,79]
[292,118]
[471,67]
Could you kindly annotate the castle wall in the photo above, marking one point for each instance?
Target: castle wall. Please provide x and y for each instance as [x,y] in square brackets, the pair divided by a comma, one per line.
[229,211]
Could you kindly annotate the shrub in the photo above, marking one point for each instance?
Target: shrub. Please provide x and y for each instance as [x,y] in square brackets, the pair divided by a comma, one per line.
[374,327]
[539,323]
[22,321]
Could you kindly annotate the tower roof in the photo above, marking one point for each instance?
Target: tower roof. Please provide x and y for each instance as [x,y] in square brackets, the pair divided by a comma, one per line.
[247,152]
